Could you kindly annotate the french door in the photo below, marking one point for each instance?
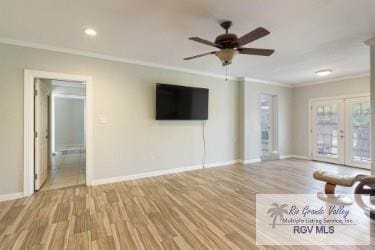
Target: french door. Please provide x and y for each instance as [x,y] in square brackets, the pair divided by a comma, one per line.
[341,131]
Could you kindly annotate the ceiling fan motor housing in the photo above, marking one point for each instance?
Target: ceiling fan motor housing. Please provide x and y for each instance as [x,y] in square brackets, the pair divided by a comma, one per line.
[230,45]
[227,41]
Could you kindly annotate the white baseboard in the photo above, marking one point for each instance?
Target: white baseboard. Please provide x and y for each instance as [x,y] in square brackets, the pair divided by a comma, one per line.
[301,157]
[160,172]
[250,161]
[6,197]
[286,156]
[221,163]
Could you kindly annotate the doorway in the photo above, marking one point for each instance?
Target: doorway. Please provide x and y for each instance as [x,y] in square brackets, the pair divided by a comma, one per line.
[59,134]
[40,129]
[341,131]
[268,125]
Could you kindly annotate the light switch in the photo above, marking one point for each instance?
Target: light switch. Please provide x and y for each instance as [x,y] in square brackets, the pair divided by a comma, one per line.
[102,119]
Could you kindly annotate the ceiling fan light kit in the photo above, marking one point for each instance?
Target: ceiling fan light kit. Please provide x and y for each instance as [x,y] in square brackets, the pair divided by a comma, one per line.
[230,45]
[226,55]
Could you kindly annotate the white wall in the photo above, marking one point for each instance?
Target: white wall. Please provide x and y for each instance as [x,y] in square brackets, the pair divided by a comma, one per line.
[130,140]
[251,111]
[301,97]
[69,123]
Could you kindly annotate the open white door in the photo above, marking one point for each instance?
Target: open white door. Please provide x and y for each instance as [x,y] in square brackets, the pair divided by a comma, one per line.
[42,90]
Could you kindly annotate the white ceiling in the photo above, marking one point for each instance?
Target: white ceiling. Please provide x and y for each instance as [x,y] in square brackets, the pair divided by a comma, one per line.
[307,35]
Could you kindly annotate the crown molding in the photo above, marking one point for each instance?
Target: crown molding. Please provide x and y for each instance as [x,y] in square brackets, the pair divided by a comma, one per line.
[370,42]
[107,57]
[248,79]
[3,40]
[130,61]
[33,45]
[331,80]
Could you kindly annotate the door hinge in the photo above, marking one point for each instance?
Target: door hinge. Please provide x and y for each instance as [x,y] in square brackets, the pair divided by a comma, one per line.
[35,176]
[35,134]
[35,92]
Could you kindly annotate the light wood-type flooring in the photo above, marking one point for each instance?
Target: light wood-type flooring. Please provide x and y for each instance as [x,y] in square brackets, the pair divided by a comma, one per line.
[205,209]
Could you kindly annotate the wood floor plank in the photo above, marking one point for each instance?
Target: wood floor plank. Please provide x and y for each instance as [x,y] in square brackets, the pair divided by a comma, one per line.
[212,208]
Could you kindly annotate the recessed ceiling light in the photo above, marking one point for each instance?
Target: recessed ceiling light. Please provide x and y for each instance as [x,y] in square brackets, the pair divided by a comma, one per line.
[90,32]
[324,72]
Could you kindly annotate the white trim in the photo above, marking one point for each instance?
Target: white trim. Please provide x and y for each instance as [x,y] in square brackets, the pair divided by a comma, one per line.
[7,197]
[29,76]
[33,45]
[251,161]
[128,60]
[249,79]
[285,157]
[331,80]
[301,157]
[105,57]
[160,172]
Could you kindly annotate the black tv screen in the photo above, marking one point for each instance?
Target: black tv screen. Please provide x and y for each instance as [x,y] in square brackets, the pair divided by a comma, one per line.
[175,102]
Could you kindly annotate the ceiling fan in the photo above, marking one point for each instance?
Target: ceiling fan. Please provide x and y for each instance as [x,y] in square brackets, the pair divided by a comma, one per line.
[230,45]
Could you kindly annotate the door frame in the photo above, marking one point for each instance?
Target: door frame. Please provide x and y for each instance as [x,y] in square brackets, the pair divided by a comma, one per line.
[29,77]
[310,112]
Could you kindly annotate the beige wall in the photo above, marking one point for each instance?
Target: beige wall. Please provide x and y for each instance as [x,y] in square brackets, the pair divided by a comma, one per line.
[131,141]
[251,110]
[127,138]
[301,97]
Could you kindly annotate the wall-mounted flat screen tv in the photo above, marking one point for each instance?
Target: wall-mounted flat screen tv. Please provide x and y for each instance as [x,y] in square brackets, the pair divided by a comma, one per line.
[175,102]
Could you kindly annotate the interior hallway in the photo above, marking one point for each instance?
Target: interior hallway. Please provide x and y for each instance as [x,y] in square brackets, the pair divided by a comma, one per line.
[68,169]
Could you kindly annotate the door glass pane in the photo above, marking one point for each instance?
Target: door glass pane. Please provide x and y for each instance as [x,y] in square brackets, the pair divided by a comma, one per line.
[361,132]
[327,130]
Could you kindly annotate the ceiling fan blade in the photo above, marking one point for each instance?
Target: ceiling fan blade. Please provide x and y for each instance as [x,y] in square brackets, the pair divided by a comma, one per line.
[258,52]
[201,40]
[252,36]
[205,54]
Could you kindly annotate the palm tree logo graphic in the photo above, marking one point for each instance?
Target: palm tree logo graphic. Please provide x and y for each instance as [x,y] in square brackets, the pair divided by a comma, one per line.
[277,211]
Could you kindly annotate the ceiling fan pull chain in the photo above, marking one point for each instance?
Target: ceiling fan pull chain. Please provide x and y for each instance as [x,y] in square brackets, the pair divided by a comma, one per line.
[226,72]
